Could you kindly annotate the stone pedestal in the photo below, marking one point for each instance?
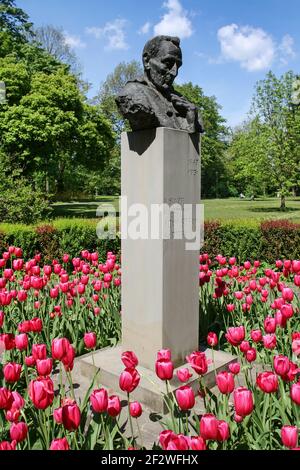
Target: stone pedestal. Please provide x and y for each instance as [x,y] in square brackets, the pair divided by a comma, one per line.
[160,286]
[151,389]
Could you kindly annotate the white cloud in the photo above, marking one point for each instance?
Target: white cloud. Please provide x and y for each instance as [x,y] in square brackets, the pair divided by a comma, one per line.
[252,47]
[74,41]
[175,22]
[113,32]
[145,28]
[286,49]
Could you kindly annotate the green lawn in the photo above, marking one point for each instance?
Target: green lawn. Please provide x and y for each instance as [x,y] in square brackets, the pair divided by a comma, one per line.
[213,208]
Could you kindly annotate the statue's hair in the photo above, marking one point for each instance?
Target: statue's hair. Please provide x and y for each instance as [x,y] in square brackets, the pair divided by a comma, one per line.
[153,45]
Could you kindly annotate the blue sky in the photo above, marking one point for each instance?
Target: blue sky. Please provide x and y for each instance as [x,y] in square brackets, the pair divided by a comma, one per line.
[227,44]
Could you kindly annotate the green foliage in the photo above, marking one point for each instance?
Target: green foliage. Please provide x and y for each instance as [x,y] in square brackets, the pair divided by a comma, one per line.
[265,241]
[19,201]
[264,153]
[54,239]
[110,88]
[47,128]
[214,176]
[280,240]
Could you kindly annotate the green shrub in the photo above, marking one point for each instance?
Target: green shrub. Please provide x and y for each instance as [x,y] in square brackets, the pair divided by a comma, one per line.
[52,240]
[266,241]
[280,239]
[20,202]
[251,239]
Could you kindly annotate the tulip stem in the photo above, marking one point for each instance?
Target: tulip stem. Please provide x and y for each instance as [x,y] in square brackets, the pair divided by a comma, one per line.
[130,420]
[203,391]
[214,364]
[61,381]
[140,434]
[69,375]
[170,406]
[187,422]
[270,424]
[97,380]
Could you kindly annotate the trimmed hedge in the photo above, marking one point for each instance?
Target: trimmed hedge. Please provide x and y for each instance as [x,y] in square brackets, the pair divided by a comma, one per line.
[54,239]
[266,241]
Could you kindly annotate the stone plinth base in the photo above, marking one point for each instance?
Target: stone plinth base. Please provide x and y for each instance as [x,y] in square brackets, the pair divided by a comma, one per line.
[160,275]
[151,389]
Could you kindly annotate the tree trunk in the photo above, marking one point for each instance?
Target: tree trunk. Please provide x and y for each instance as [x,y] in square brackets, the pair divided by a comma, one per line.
[47,184]
[282,203]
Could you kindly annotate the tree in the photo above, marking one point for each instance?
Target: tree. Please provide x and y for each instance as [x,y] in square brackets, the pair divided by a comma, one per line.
[14,20]
[49,125]
[14,27]
[214,141]
[247,159]
[279,118]
[110,88]
[15,194]
[53,41]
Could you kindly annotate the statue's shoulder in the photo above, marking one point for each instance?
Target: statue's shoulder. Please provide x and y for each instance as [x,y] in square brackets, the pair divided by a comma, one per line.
[137,89]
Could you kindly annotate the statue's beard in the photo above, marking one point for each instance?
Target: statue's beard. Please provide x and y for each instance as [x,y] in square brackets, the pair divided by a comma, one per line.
[164,83]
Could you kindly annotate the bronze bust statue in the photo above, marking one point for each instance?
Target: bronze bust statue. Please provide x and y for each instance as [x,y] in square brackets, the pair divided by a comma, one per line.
[151,101]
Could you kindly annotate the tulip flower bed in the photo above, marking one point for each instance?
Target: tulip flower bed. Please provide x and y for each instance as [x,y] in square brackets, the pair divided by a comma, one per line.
[51,313]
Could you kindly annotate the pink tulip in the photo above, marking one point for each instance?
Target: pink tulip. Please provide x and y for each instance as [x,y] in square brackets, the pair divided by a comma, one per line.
[41,392]
[287,294]
[164,369]
[129,380]
[165,437]
[12,372]
[243,401]
[59,348]
[178,442]
[99,400]
[5,445]
[289,436]
[198,362]
[71,416]
[114,406]
[135,409]
[129,359]
[60,444]
[39,351]
[267,382]
[223,431]
[251,355]
[90,340]
[197,443]
[44,366]
[18,431]
[295,393]
[269,341]
[183,374]
[281,365]
[212,339]
[234,368]
[185,398]
[21,341]
[6,399]
[270,325]
[164,354]
[209,427]
[225,382]
[235,335]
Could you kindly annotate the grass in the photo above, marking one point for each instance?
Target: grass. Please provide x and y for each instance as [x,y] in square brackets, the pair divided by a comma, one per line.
[231,209]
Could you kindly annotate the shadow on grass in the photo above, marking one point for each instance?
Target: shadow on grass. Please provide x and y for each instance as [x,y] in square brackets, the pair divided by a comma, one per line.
[273,209]
[83,209]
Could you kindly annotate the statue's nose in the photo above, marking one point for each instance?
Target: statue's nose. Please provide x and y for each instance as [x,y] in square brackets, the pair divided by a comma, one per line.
[174,70]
